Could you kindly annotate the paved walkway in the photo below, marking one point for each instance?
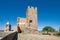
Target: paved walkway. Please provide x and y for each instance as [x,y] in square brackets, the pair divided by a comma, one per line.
[36,37]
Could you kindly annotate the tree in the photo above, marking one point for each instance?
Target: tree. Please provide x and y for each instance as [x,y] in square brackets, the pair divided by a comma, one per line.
[48,29]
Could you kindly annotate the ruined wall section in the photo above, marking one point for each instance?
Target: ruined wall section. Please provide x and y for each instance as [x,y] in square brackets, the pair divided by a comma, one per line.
[22,23]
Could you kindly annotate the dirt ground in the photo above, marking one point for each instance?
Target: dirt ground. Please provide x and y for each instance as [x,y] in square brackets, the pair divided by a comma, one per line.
[37,37]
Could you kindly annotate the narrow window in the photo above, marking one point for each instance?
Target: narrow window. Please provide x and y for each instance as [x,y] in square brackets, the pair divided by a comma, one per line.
[30,21]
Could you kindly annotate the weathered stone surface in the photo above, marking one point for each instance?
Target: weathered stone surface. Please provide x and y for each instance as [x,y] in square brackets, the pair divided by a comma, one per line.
[8,35]
[27,36]
[32,17]
[22,22]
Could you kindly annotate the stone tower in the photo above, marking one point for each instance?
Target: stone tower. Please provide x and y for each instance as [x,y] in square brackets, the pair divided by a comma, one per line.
[31,16]
[7,27]
[30,22]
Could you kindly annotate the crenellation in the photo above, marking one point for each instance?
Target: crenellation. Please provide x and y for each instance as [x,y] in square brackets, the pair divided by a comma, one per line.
[35,8]
[28,6]
[32,7]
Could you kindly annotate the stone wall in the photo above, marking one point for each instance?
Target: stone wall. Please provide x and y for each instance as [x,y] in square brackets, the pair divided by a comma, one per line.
[10,36]
[22,22]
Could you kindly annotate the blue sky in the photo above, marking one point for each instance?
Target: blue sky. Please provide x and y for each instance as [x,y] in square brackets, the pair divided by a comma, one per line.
[48,12]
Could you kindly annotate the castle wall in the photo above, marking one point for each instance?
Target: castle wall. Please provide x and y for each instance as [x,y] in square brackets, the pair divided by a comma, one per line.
[8,36]
[22,23]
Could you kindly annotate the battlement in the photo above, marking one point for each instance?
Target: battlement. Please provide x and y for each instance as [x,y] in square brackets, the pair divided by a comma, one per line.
[31,7]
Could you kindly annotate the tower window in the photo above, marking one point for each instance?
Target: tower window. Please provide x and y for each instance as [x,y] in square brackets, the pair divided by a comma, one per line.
[30,21]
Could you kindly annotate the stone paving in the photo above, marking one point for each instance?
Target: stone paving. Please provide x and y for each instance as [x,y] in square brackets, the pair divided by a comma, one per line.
[3,34]
[27,36]
[37,37]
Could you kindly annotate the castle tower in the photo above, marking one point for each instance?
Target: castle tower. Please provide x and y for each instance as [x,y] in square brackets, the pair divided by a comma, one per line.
[7,27]
[32,17]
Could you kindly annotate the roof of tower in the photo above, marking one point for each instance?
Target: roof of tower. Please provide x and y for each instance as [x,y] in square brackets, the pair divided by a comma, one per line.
[32,7]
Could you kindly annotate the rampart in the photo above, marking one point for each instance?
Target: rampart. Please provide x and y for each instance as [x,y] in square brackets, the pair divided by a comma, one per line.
[8,35]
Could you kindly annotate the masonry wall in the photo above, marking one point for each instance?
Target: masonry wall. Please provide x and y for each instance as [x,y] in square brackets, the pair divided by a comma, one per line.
[12,36]
[22,23]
